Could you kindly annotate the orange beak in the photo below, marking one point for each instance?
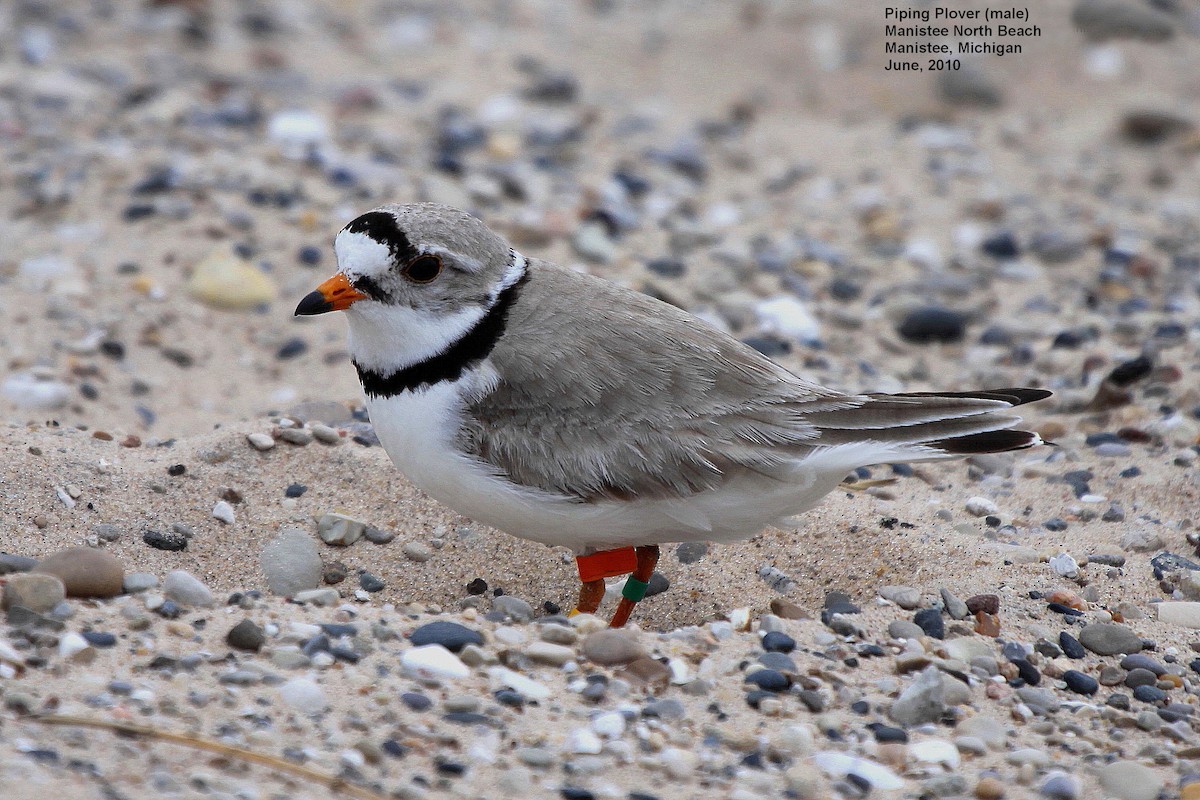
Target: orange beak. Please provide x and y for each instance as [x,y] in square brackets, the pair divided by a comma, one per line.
[335,294]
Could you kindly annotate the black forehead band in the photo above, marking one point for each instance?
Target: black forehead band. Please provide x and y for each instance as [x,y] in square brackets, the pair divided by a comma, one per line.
[381,227]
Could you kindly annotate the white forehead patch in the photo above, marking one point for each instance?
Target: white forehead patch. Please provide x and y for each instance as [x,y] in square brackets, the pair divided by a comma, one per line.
[359,254]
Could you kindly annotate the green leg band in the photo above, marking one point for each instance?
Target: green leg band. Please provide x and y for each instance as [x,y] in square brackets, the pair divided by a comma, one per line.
[634,589]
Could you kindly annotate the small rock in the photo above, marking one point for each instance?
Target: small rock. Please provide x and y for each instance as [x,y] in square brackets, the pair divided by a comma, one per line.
[135,582]
[169,541]
[380,536]
[546,653]
[449,635]
[37,592]
[291,563]
[930,621]
[903,629]
[224,281]
[433,661]
[1183,614]
[85,571]
[933,324]
[956,608]
[922,701]
[223,512]
[981,507]
[987,603]
[1108,638]
[691,552]
[1129,780]
[304,695]
[1080,683]
[512,607]
[316,597]
[611,647]
[246,635]
[338,529]
[904,596]
[260,441]
[73,647]
[370,582]
[1060,785]
[186,589]
[417,551]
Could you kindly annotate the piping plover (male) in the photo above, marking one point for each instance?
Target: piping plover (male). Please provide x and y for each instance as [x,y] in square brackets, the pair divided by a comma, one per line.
[565,409]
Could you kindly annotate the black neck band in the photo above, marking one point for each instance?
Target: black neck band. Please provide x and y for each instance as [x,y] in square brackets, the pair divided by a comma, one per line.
[474,346]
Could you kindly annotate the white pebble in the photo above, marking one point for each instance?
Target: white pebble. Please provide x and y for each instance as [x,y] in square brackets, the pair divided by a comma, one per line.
[260,441]
[981,507]
[432,662]
[503,677]
[1064,565]
[787,316]
[304,695]
[223,511]
[935,751]
[296,131]
[839,765]
[582,741]
[30,392]
[72,646]
[610,724]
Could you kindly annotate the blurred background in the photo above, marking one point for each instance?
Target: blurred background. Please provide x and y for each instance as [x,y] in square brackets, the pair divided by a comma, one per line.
[172,174]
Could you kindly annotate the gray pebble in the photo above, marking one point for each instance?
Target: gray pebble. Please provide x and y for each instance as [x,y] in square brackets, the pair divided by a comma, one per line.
[186,589]
[291,563]
[417,551]
[921,701]
[514,608]
[1109,638]
[956,608]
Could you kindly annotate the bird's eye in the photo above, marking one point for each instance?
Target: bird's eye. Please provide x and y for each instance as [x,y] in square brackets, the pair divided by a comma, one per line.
[423,269]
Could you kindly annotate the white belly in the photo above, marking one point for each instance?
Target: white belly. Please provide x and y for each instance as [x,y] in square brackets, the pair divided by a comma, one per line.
[418,430]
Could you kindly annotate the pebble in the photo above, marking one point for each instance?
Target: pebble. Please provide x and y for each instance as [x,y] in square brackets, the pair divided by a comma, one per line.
[223,281]
[512,607]
[135,582]
[778,642]
[370,582]
[260,441]
[981,507]
[316,597]
[85,571]
[449,635]
[904,596]
[611,648]
[903,629]
[547,653]
[1108,638]
[297,436]
[169,541]
[33,393]
[956,608]
[417,551]
[37,592]
[1185,614]
[246,635]
[304,695]
[922,701]
[432,662]
[186,589]
[223,512]
[339,530]
[1079,682]
[291,563]
[1129,780]
[933,324]
[930,620]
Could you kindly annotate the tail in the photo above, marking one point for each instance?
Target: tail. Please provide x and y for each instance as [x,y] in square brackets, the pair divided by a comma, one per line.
[932,425]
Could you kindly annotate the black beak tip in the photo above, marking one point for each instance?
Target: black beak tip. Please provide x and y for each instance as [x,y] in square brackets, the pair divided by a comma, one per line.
[313,303]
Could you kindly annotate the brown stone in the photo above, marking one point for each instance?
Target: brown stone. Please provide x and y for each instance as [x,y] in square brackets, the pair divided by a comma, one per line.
[988,603]
[611,647]
[989,788]
[786,609]
[987,624]
[38,593]
[85,571]
[647,671]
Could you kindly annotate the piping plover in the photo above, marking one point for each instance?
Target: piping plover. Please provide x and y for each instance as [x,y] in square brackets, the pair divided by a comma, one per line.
[565,409]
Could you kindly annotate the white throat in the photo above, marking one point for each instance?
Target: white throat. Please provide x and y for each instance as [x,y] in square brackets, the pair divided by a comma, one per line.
[385,339]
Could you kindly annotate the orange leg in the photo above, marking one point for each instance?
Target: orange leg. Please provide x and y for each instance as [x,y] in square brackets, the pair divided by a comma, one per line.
[590,595]
[635,586]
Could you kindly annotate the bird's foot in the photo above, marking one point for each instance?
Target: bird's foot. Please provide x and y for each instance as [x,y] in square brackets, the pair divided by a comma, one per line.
[595,567]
